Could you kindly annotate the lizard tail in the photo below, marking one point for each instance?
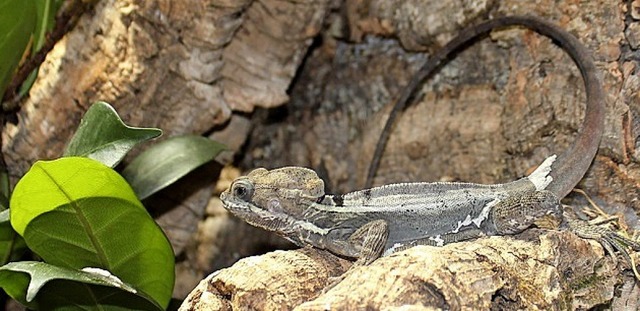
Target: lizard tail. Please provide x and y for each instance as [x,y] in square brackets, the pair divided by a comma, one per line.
[574,162]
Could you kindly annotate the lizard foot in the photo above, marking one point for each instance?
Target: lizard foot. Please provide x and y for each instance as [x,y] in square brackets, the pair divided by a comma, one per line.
[609,239]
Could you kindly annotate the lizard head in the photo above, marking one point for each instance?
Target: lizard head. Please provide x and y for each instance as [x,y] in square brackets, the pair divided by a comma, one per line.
[274,200]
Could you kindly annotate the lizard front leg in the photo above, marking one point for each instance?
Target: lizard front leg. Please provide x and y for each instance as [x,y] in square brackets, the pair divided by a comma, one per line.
[370,239]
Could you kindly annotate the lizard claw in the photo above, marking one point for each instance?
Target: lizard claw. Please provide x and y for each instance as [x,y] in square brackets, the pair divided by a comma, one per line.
[612,240]
[609,239]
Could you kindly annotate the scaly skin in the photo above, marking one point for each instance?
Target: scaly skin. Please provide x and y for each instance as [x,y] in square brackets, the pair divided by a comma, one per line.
[370,223]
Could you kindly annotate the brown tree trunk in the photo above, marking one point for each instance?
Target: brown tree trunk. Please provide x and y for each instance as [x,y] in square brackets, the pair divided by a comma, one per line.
[488,116]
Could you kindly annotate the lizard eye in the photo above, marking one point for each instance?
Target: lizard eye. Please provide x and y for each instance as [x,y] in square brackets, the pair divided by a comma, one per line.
[242,189]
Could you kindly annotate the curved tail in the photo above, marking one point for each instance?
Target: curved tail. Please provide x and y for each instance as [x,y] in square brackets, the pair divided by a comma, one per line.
[571,165]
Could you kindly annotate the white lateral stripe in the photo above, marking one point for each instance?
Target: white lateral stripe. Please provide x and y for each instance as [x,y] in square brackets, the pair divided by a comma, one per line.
[438,239]
[464,223]
[540,177]
[484,214]
[309,226]
[392,249]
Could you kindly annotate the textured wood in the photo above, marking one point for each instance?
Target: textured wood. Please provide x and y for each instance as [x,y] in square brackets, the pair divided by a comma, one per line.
[553,271]
[276,281]
[190,66]
[182,66]
[490,115]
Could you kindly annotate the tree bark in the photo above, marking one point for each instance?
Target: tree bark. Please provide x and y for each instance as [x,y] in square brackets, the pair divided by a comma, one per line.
[534,271]
[220,67]
[489,116]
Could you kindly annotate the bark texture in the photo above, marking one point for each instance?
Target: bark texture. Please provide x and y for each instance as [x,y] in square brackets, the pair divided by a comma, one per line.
[182,66]
[533,271]
[488,116]
[220,67]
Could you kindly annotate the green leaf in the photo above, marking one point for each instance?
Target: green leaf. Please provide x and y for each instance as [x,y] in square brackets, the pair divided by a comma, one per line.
[28,83]
[167,161]
[17,21]
[46,13]
[76,212]
[50,184]
[104,137]
[5,191]
[39,285]
[12,246]
[4,202]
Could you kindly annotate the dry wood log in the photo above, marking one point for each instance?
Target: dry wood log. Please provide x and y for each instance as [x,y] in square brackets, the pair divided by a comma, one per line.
[536,270]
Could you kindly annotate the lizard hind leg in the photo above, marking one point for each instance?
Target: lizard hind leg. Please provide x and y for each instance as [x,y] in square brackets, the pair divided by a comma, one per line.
[370,239]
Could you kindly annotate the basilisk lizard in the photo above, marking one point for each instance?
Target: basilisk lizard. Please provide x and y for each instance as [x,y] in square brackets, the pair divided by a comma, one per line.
[370,223]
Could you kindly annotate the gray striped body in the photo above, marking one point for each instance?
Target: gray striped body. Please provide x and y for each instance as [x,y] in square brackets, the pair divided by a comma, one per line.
[291,202]
[412,211]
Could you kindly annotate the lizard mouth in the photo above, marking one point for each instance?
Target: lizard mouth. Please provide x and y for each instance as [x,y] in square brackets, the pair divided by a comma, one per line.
[254,215]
